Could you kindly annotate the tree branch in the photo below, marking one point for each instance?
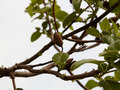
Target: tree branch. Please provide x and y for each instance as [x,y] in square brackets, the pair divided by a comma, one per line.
[94,21]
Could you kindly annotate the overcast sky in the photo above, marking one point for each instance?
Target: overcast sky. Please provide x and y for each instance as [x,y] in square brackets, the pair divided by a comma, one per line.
[15,46]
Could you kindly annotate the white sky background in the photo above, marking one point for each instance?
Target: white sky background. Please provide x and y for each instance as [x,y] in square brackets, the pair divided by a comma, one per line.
[15,46]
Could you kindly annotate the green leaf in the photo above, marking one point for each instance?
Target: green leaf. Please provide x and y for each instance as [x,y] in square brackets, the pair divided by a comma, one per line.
[105,25]
[117,75]
[93,31]
[37,1]
[69,19]
[115,45]
[42,10]
[35,36]
[109,78]
[29,9]
[107,39]
[81,62]
[59,59]
[115,27]
[76,5]
[34,1]
[61,15]
[110,55]
[102,67]
[109,85]
[91,84]
[62,57]
[37,28]
[117,65]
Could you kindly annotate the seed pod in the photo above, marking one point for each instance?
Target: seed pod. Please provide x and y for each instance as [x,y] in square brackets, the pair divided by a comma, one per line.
[114,19]
[106,4]
[57,39]
[74,37]
[69,63]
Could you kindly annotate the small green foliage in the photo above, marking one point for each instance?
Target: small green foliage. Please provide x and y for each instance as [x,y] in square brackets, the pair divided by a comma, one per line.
[105,25]
[117,65]
[115,27]
[76,5]
[61,15]
[102,67]
[59,59]
[115,45]
[110,55]
[91,84]
[107,39]
[44,24]
[109,78]
[69,19]
[35,36]
[109,85]
[84,61]
[117,75]
[93,31]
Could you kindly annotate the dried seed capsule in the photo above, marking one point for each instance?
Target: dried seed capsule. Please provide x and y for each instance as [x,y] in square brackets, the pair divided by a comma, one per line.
[74,37]
[114,19]
[106,4]
[57,39]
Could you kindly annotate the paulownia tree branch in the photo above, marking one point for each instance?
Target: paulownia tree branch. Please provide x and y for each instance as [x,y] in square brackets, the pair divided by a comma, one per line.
[83,41]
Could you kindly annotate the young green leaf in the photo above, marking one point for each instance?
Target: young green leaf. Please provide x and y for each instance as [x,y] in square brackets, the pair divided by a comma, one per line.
[61,15]
[117,65]
[81,62]
[91,84]
[35,36]
[105,25]
[115,45]
[107,39]
[109,78]
[93,31]
[69,19]
[62,57]
[102,67]
[117,75]
[76,5]
[59,59]
[115,27]
[109,85]
[44,24]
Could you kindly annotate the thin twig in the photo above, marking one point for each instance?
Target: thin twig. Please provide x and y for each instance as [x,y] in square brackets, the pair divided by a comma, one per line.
[81,37]
[85,88]
[13,80]
[57,48]
[41,64]
[83,41]
[49,22]
[86,48]
[54,16]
